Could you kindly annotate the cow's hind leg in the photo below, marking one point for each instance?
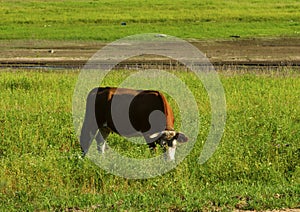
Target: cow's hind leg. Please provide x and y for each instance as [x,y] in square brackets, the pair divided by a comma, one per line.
[101,136]
[87,135]
[90,125]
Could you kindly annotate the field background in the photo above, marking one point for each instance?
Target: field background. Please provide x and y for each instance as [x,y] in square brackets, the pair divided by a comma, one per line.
[101,19]
[256,166]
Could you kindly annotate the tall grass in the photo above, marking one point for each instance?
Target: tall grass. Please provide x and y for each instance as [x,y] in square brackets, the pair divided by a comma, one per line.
[255,167]
[101,20]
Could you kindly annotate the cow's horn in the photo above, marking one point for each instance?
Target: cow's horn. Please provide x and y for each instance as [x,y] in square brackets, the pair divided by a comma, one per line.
[169,134]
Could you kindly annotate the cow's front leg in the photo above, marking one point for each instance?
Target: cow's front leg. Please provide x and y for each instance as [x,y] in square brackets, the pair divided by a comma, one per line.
[101,139]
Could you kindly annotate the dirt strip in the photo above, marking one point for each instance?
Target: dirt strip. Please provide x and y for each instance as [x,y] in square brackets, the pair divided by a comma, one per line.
[74,54]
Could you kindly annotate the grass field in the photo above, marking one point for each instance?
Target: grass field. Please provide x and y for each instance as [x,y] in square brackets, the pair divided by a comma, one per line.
[255,167]
[101,20]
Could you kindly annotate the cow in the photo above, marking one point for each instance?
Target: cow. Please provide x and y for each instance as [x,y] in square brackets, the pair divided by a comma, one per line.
[129,113]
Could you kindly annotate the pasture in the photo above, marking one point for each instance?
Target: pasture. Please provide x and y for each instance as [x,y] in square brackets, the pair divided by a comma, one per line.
[256,165]
[101,20]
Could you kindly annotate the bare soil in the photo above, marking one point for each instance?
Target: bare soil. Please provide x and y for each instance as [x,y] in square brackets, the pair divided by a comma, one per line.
[272,52]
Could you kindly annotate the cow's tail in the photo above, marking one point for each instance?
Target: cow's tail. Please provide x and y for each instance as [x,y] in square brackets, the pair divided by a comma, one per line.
[89,127]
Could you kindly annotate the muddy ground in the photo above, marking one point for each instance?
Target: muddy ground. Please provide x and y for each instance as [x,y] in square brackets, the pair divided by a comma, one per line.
[236,52]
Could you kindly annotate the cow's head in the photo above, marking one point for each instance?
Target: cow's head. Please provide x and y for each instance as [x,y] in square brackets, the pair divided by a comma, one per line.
[170,139]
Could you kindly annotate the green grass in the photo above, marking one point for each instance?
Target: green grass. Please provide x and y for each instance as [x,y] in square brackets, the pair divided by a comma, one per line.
[255,167]
[101,20]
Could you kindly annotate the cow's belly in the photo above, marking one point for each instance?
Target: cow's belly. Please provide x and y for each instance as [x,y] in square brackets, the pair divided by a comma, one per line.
[138,124]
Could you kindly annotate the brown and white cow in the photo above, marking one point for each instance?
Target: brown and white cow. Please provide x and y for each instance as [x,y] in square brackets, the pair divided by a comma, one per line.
[129,113]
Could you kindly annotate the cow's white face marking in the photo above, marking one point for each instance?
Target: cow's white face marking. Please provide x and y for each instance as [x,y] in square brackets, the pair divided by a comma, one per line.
[174,143]
[171,153]
[172,150]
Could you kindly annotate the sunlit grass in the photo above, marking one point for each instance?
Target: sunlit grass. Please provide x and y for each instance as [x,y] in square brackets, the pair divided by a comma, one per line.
[101,20]
[256,165]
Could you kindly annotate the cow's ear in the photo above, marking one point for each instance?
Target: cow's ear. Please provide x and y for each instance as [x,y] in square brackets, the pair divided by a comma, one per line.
[181,138]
